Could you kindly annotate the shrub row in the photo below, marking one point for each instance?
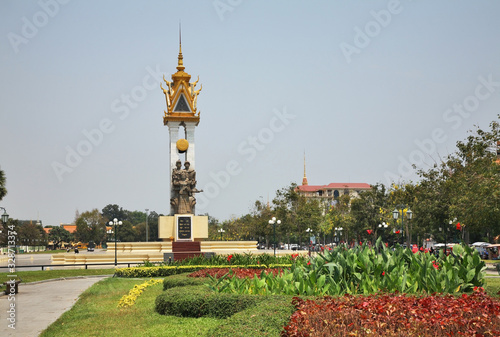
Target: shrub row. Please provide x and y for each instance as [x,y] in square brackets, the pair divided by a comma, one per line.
[199,301]
[265,318]
[233,259]
[174,270]
[182,280]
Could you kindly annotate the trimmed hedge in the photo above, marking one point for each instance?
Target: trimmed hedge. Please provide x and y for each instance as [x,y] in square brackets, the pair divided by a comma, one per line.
[174,270]
[182,280]
[266,318]
[198,301]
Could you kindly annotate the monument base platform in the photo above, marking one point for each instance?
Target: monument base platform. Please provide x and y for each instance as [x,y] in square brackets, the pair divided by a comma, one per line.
[138,252]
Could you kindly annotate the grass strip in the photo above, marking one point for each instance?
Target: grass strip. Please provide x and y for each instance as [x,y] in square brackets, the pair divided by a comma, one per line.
[96,314]
[41,275]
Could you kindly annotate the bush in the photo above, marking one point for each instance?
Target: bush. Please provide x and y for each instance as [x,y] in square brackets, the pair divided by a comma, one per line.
[266,318]
[198,301]
[174,270]
[244,259]
[182,280]
[183,301]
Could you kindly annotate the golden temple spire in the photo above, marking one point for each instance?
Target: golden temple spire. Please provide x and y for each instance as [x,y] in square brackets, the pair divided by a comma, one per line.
[180,64]
[304,180]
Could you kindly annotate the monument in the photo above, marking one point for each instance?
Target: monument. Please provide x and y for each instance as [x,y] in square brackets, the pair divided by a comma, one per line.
[182,233]
[182,227]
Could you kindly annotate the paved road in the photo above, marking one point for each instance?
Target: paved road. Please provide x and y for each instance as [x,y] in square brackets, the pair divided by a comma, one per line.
[40,259]
[37,305]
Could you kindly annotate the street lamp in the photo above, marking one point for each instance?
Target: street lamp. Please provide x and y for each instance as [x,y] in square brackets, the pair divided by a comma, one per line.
[221,231]
[5,216]
[409,215]
[147,236]
[337,238]
[309,231]
[273,222]
[383,226]
[446,230]
[115,222]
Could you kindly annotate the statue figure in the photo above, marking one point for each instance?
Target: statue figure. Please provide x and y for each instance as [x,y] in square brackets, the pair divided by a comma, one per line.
[183,189]
[176,183]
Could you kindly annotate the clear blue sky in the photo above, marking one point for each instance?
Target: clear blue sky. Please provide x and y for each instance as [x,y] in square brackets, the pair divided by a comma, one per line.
[364,88]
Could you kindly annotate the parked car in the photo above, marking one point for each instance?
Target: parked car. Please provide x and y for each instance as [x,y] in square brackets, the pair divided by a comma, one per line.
[294,246]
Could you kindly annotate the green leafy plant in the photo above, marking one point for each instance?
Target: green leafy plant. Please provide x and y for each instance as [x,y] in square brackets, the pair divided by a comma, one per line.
[366,270]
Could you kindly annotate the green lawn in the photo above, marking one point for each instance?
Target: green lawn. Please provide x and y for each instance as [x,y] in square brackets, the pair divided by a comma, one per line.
[96,314]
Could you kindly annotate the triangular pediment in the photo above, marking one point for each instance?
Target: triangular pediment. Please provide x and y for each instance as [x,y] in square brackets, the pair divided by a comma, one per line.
[182,105]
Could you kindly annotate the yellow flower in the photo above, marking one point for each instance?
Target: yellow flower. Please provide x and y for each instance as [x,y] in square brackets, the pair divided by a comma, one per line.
[129,299]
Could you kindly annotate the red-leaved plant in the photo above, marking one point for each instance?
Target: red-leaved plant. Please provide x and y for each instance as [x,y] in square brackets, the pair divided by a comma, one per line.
[396,315]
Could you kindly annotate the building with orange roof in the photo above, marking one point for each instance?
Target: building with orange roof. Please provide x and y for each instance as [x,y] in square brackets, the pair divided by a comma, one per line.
[328,193]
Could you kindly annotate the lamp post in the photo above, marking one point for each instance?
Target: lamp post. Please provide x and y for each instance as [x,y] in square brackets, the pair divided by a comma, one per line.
[221,231]
[395,215]
[446,230]
[5,218]
[337,238]
[309,231]
[273,222]
[147,236]
[383,226]
[115,222]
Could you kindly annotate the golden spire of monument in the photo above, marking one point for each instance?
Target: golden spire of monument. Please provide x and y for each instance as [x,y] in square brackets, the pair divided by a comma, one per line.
[304,180]
[180,63]
[181,95]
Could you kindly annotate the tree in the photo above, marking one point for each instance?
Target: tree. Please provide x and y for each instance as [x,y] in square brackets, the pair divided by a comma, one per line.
[3,189]
[475,181]
[30,234]
[135,217]
[113,211]
[58,235]
[366,211]
[91,226]
[124,233]
[402,199]
[339,216]
[465,186]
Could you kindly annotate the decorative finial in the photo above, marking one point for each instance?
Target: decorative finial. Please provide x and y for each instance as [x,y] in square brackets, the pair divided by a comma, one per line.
[304,180]
[180,64]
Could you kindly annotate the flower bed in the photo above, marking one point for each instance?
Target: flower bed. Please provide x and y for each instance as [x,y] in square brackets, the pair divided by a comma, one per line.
[235,272]
[396,315]
[129,299]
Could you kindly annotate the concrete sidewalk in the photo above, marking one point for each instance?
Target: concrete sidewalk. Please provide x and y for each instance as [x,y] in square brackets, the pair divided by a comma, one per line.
[39,304]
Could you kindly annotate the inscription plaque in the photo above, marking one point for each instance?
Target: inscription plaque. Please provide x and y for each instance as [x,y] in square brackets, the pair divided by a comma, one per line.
[184,230]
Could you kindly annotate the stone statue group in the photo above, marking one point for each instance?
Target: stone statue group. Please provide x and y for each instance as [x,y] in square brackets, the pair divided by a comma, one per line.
[183,189]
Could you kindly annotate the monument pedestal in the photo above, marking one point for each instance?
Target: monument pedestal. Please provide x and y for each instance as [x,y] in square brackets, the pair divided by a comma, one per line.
[182,227]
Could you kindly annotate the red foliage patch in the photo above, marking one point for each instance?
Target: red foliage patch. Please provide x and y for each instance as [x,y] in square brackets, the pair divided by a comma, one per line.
[396,315]
[237,272]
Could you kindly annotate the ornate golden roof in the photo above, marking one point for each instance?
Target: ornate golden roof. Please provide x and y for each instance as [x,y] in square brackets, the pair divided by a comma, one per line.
[181,95]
